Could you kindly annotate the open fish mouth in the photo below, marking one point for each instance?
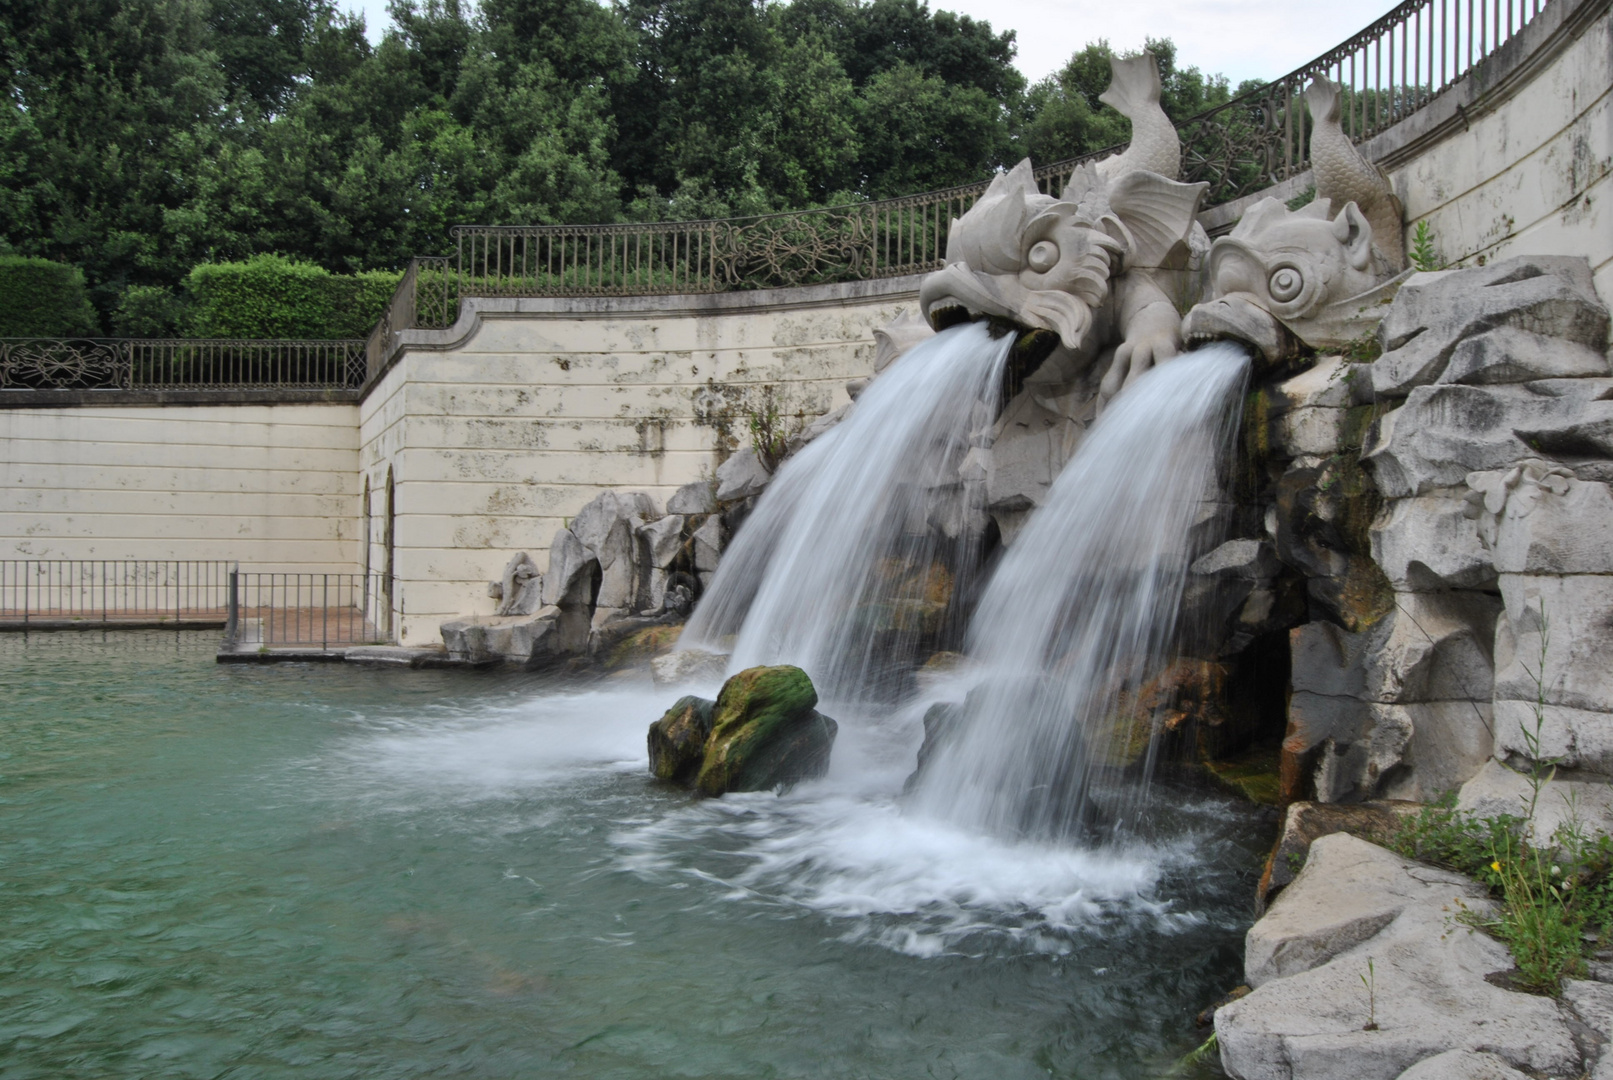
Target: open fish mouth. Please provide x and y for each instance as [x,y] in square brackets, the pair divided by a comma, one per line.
[1239,318]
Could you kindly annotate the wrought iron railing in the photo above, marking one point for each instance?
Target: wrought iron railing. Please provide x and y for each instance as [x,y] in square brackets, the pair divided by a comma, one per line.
[1388,71]
[265,610]
[179,364]
[92,593]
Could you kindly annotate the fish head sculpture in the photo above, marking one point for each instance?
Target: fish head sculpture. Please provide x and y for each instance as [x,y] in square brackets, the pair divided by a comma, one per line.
[1283,279]
[1022,257]
[1040,263]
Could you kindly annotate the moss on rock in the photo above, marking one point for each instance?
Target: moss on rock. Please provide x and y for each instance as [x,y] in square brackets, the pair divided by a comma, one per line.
[678,740]
[765,733]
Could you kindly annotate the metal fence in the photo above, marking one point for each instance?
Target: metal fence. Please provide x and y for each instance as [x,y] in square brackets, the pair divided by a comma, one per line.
[179,364]
[323,611]
[85,594]
[1387,71]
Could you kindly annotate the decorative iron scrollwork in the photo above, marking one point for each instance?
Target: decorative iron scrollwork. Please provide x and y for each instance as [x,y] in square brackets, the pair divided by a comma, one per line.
[63,364]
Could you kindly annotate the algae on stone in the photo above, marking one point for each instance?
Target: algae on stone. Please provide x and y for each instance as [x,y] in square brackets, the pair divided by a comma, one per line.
[765,733]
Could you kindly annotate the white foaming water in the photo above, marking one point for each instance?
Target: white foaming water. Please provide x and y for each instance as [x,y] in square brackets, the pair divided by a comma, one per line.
[1084,605]
[806,581]
[841,848]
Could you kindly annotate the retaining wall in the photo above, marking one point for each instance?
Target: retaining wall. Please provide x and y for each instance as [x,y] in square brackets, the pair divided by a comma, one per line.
[273,486]
[498,430]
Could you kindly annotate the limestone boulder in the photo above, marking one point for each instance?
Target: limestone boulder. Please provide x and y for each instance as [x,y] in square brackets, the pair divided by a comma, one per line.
[1496,790]
[1430,542]
[821,426]
[1442,433]
[1564,623]
[1592,1004]
[534,641]
[1550,297]
[742,476]
[699,497]
[687,666]
[1463,1065]
[1307,1018]
[765,733]
[1306,822]
[1537,518]
[1508,354]
[660,542]
[677,741]
[569,582]
[708,545]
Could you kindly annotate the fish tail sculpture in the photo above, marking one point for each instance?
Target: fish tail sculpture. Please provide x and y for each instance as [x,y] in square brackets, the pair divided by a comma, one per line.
[1344,176]
[1134,90]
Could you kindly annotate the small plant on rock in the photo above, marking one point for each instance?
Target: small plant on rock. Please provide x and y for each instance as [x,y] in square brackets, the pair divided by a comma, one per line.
[1370,981]
[1423,257]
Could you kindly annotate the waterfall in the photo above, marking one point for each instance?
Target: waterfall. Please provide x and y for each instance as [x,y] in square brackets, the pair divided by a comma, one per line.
[854,551]
[1083,607]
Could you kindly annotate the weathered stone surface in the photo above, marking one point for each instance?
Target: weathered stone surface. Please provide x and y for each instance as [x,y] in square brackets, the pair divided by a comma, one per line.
[531,640]
[1462,1065]
[1355,901]
[1252,560]
[765,733]
[1399,711]
[1029,444]
[569,582]
[1442,433]
[1592,1003]
[598,524]
[678,740]
[1536,518]
[707,542]
[1574,738]
[521,587]
[1432,647]
[696,498]
[1496,790]
[742,476]
[662,539]
[898,336]
[688,666]
[1510,355]
[1306,822]
[1430,542]
[1325,384]
[1576,613]
[1549,296]
[1349,890]
[818,427]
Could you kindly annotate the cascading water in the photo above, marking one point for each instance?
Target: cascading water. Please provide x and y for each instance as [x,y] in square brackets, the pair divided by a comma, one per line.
[1083,607]
[842,556]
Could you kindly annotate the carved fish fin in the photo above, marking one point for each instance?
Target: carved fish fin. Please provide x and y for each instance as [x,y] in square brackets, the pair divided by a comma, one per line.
[1158,213]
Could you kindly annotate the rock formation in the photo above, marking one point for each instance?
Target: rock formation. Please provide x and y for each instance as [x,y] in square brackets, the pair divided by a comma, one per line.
[762,733]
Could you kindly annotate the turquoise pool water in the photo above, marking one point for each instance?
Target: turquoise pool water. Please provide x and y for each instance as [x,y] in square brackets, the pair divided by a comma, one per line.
[330,871]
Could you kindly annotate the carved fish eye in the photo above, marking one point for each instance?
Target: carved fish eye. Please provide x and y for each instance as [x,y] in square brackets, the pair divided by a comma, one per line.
[1043,256]
[1285,283]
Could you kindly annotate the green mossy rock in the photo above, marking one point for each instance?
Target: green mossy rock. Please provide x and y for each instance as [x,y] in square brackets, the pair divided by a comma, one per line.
[678,740]
[765,733]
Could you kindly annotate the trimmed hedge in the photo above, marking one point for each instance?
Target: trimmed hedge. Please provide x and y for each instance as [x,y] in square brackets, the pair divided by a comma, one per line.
[40,298]
[270,296]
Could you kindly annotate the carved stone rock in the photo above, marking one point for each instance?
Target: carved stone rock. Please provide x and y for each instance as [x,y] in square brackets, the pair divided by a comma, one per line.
[1548,297]
[521,587]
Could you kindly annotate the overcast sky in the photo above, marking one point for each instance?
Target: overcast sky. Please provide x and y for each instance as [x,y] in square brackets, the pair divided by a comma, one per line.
[1241,39]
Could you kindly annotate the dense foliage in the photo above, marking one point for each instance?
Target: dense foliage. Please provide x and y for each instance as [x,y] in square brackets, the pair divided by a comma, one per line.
[140,138]
[40,298]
